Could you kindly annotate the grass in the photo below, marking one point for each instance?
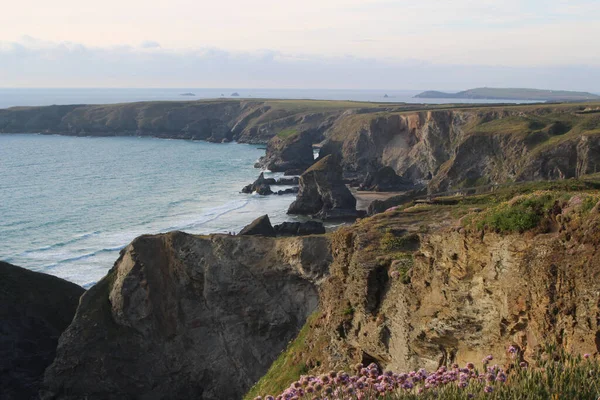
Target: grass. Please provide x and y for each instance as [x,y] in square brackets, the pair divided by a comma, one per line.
[287,368]
[287,133]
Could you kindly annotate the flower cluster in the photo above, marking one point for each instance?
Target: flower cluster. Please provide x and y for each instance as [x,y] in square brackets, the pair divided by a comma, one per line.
[370,383]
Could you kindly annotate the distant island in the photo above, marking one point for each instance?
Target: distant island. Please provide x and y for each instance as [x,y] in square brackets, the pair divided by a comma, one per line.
[511,94]
[235,94]
[187,94]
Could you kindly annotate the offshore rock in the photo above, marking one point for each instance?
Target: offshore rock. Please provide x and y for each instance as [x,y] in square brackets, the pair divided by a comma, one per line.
[36,309]
[323,194]
[188,317]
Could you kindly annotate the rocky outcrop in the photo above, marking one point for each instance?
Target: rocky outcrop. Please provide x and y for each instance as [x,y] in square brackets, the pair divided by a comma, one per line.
[455,295]
[261,186]
[468,147]
[385,180]
[299,228]
[260,226]
[294,152]
[182,316]
[36,309]
[323,193]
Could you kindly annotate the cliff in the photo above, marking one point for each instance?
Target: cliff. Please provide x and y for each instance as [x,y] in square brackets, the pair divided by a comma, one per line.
[433,284]
[442,146]
[212,120]
[182,316]
[36,309]
[465,147]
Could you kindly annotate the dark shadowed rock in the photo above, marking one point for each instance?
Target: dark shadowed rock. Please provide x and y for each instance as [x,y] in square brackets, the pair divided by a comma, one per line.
[292,152]
[299,228]
[188,317]
[260,185]
[323,193]
[385,180]
[260,226]
[293,190]
[35,309]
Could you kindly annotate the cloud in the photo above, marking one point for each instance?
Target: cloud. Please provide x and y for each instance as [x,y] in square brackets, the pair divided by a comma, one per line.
[36,63]
[149,44]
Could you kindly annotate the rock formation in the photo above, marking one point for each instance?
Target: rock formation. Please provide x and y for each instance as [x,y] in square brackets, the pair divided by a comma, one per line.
[188,317]
[299,228]
[323,193]
[294,152]
[260,226]
[35,309]
[456,295]
[261,185]
[385,180]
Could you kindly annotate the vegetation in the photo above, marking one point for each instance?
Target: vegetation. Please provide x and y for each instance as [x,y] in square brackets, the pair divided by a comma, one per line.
[288,367]
[287,133]
[554,374]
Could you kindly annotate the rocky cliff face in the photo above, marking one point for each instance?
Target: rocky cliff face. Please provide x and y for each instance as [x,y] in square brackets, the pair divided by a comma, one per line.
[36,309]
[406,300]
[182,316]
[294,152]
[323,194]
[469,147]
[216,121]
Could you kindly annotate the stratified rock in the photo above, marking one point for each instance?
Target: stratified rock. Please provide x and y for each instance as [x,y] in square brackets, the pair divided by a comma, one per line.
[385,180]
[299,228]
[323,193]
[293,152]
[260,226]
[35,309]
[188,317]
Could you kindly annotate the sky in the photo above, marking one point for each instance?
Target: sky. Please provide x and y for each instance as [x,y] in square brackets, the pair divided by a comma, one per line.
[354,44]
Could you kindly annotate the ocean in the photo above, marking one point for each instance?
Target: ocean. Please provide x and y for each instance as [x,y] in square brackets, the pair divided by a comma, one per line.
[69,204]
[44,97]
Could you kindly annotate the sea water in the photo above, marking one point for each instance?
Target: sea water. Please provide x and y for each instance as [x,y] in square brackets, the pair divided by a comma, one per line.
[69,204]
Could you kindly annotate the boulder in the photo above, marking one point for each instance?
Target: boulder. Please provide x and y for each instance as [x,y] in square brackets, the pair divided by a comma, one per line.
[293,152]
[385,180]
[35,309]
[188,317]
[260,226]
[299,228]
[323,194]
